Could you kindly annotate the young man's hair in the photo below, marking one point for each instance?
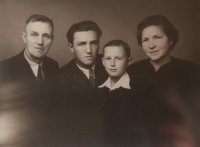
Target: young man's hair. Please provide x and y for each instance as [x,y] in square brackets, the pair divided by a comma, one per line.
[119,43]
[161,21]
[81,27]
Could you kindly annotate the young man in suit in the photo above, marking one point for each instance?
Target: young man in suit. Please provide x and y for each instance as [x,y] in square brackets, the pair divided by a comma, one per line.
[28,83]
[85,72]
[79,78]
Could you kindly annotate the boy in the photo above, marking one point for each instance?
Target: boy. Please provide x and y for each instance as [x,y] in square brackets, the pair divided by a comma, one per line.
[116,96]
[116,58]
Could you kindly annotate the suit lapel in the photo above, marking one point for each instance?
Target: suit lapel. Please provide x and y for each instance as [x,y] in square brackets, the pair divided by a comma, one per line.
[80,83]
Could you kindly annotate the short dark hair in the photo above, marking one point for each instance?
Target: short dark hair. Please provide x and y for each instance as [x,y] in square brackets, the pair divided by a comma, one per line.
[158,20]
[42,18]
[82,26]
[125,46]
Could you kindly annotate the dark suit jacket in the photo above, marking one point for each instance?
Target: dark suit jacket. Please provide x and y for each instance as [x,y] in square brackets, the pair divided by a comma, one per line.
[80,122]
[75,82]
[25,103]
[17,78]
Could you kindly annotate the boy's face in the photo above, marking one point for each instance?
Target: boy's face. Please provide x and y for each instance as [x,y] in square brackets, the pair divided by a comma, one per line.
[115,61]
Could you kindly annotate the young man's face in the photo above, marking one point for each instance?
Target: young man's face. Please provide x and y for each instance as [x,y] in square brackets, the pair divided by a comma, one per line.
[115,61]
[85,48]
[38,38]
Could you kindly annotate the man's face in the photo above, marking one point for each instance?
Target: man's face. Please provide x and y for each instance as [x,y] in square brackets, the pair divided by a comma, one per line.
[38,38]
[115,61]
[85,48]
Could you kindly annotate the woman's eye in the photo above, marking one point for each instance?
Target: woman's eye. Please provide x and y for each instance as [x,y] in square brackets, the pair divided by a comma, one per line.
[144,40]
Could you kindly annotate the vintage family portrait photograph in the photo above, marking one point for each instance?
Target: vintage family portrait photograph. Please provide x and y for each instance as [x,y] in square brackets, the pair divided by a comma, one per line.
[99,73]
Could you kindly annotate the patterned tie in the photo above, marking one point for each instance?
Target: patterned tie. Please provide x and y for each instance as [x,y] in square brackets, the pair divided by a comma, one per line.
[40,77]
[91,77]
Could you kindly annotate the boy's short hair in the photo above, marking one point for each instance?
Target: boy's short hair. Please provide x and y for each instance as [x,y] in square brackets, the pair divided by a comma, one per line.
[80,27]
[42,18]
[119,43]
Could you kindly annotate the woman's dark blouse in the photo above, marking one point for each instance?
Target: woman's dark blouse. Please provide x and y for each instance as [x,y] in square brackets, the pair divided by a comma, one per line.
[178,73]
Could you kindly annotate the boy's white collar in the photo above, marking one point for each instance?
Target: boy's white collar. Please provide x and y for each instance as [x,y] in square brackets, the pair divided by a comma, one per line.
[123,82]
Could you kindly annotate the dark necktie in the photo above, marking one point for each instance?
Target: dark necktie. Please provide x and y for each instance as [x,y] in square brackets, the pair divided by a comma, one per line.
[40,77]
[91,77]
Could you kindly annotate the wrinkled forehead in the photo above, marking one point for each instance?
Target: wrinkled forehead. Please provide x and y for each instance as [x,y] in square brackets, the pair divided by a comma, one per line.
[39,26]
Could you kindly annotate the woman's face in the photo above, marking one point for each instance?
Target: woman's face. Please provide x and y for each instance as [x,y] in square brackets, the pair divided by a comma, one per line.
[155,43]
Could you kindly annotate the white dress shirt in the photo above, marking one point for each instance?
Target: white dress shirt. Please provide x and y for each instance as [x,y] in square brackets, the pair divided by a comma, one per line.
[123,82]
[34,66]
[86,71]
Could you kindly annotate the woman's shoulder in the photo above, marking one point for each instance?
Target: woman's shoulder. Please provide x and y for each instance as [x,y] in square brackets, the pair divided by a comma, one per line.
[144,62]
[181,63]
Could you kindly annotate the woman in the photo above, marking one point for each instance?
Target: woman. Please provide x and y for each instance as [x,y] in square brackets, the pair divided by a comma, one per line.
[158,36]
[164,77]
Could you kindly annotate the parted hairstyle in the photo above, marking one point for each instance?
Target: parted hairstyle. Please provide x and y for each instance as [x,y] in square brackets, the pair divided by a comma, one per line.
[42,18]
[119,43]
[80,27]
[161,21]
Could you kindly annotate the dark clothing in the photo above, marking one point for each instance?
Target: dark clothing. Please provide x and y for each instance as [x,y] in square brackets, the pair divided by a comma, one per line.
[79,117]
[170,94]
[75,82]
[17,78]
[119,110]
[27,105]
[183,75]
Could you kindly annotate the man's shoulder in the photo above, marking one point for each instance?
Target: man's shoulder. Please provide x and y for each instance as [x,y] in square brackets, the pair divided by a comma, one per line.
[50,61]
[10,62]
[68,67]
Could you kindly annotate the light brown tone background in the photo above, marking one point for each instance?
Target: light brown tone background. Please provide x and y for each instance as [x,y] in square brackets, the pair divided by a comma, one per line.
[117,19]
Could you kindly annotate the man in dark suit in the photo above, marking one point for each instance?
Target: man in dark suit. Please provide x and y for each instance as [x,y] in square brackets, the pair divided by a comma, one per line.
[85,72]
[79,78]
[28,83]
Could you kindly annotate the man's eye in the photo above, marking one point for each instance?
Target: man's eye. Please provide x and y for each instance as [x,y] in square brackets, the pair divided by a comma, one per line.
[119,58]
[47,36]
[81,44]
[34,34]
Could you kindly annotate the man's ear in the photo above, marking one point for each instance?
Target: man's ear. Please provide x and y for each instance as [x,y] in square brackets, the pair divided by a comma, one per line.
[71,47]
[24,37]
[129,60]
[103,61]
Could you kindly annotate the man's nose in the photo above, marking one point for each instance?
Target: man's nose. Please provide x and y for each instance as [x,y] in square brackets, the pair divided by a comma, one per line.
[88,48]
[40,40]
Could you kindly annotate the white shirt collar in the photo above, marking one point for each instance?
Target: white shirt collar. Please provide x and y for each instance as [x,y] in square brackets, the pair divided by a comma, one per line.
[33,65]
[124,82]
[86,71]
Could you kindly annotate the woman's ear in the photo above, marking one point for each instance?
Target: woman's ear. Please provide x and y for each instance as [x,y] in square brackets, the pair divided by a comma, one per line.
[170,43]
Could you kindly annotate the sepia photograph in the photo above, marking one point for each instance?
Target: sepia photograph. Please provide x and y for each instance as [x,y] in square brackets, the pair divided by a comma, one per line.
[99,73]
